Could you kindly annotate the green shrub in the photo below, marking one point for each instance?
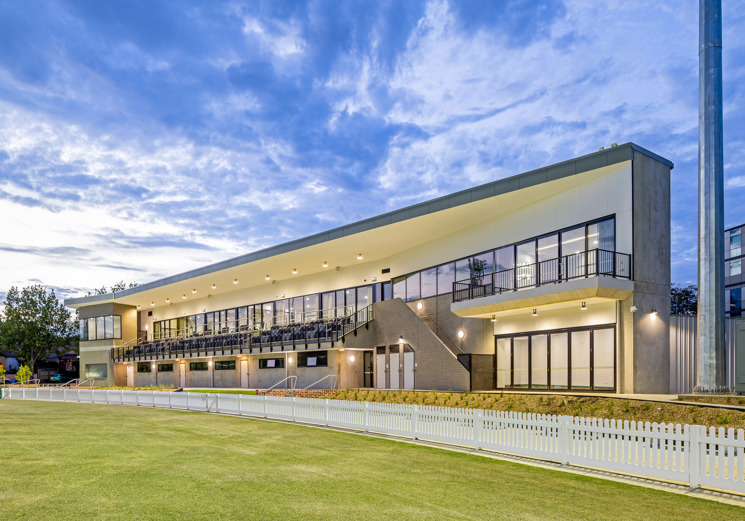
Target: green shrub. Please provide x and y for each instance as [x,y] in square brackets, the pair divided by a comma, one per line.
[24,374]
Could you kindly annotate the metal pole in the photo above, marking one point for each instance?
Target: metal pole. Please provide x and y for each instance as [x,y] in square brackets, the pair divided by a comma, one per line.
[711,370]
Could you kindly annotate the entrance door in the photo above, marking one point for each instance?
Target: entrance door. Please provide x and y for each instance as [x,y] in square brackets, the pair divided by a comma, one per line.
[380,368]
[130,375]
[244,374]
[367,361]
[182,374]
[408,369]
[395,371]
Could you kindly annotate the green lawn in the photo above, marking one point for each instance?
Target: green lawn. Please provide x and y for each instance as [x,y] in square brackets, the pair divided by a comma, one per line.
[83,461]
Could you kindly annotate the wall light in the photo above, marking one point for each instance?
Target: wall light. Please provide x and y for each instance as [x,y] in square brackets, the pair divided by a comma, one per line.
[359,256]
[654,312]
[138,306]
[535,312]
[168,300]
[494,318]
[183,296]
[267,277]
[325,264]
[235,281]
[209,363]
[633,309]
[294,271]
[461,333]
[419,305]
[214,286]
[194,290]
[583,307]
[153,366]
[351,358]
[400,340]
[152,303]
[289,359]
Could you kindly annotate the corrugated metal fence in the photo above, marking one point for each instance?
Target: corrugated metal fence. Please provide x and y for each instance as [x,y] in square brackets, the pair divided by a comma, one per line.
[684,352]
[689,454]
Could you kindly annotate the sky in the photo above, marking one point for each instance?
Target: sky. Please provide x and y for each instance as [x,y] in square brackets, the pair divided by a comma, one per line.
[144,138]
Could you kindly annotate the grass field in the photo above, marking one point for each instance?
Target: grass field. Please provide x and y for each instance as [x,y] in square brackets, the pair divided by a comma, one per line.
[82,461]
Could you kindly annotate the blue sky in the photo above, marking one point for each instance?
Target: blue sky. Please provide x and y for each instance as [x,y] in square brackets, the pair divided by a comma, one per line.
[143,138]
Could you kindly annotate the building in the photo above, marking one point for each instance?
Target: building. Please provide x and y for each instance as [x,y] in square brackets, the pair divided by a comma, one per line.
[733,278]
[554,279]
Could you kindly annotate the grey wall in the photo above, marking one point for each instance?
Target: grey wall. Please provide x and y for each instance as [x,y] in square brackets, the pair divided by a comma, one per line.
[651,334]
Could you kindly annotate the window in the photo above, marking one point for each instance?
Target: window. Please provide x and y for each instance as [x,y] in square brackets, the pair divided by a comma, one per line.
[271,363]
[198,366]
[735,267]
[602,235]
[143,367]
[319,359]
[224,365]
[165,368]
[413,291]
[445,278]
[429,283]
[735,243]
[735,301]
[95,370]
[101,328]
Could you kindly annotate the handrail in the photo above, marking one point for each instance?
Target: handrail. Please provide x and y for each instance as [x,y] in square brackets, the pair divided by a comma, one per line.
[441,335]
[333,385]
[91,380]
[591,263]
[68,383]
[292,378]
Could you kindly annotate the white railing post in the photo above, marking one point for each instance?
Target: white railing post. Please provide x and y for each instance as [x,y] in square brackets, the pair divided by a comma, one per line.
[293,408]
[64,395]
[366,416]
[478,429]
[564,435]
[694,455]
[137,398]
[414,421]
[240,404]
[326,412]
[264,406]
[170,399]
[107,397]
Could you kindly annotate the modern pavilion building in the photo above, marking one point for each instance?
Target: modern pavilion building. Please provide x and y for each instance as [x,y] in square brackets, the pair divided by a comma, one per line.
[554,279]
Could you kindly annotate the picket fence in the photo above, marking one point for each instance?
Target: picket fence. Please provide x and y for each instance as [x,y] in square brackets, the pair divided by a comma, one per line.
[689,454]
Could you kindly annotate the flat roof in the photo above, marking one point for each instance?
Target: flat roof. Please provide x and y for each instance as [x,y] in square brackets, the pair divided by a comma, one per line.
[602,158]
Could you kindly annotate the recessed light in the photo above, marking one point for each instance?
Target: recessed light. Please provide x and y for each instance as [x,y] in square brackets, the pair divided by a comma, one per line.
[194,290]
[152,303]
[183,296]
[494,318]
[325,264]
[138,306]
[168,300]
[535,312]
[235,281]
[583,307]
[294,271]
[359,256]
[267,277]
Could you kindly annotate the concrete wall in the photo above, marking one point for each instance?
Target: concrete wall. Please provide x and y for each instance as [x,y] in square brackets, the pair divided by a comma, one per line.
[649,358]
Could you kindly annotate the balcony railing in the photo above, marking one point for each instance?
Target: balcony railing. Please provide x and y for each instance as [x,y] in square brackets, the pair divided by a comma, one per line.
[297,336]
[592,263]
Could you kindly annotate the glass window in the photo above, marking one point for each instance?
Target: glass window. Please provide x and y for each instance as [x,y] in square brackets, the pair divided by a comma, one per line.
[91,329]
[520,360]
[399,288]
[445,278]
[486,260]
[413,290]
[317,359]
[328,303]
[573,241]
[143,367]
[243,318]
[117,326]
[165,368]
[505,258]
[504,363]
[603,358]
[232,318]
[387,291]
[311,306]
[83,328]
[525,270]
[271,363]
[340,303]
[735,300]
[539,361]
[429,282]
[548,247]
[735,267]
[100,328]
[559,361]
[462,270]
[349,301]
[200,324]
[267,315]
[580,360]
[209,322]
[602,235]
[198,366]
[255,316]
[224,365]
[364,297]
[96,370]
[735,242]
[108,324]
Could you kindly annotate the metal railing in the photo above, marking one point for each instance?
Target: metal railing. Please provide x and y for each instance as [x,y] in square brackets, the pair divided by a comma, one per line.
[592,263]
[333,378]
[291,336]
[292,379]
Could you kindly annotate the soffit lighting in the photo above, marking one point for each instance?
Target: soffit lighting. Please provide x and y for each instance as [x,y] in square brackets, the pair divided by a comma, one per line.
[359,256]
[138,306]
[494,318]
[583,307]
[325,264]
[535,313]
[214,286]
[294,271]
[183,296]
[400,340]
[267,277]
[168,300]
[194,290]
[235,281]
[152,303]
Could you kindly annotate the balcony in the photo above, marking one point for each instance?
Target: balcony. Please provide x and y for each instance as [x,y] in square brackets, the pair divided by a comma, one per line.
[549,281]
[291,336]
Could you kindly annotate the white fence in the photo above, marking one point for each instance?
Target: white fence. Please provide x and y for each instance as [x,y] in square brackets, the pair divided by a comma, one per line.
[687,454]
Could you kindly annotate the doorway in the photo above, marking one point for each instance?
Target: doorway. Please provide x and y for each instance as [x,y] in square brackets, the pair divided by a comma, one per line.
[244,374]
[130,375]
[182,374]
[367,362]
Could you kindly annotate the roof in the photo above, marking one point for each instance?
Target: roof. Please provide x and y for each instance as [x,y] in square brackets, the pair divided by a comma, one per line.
[602,158]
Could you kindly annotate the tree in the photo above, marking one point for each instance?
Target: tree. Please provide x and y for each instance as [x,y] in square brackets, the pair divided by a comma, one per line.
[24,374]
[683,299]
[35,324]
[118,286]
